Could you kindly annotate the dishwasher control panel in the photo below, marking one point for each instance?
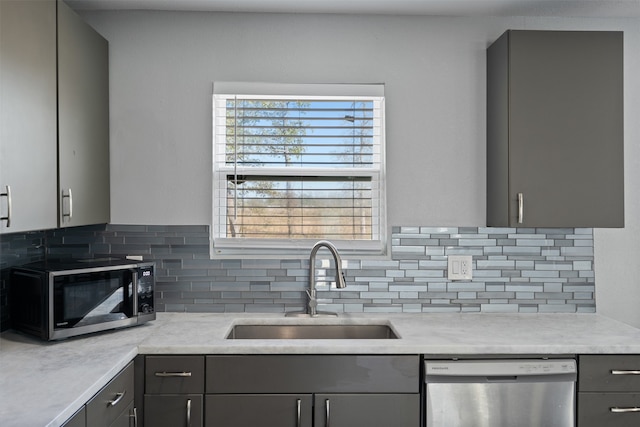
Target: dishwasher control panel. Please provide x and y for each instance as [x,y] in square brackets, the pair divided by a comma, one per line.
[499,367]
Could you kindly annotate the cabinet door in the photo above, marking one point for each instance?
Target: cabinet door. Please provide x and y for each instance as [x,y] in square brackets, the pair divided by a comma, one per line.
[28,115]
[113,400]
[126,418]
[367,410]
[555,129]
[173,410]
[83,121]
[250,410]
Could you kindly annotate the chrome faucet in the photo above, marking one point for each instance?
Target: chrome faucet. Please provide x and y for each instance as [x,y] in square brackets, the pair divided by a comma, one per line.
[312,302]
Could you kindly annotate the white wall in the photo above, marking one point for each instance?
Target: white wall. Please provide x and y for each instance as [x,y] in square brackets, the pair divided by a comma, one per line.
[617,251]
[163,65]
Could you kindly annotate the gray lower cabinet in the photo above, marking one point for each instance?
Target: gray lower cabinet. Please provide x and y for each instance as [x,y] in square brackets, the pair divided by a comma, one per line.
[307,410]
[248,410]
[555,134]
[312,391]
[79,419]
[303,374]
[367,410]
[173,410]
[608,391]
[596,409]
[126,418]
[174,391]
[112,406]
[282,390]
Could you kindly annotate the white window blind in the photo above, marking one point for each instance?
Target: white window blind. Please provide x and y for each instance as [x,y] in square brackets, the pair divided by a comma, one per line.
[294,163]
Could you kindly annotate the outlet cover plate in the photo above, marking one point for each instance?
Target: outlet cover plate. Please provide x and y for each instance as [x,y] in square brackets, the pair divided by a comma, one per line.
[460,267]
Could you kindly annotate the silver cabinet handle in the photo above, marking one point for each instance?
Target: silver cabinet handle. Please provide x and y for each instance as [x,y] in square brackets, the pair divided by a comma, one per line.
[117,400]
[624,372]
[327,410]
[134,415]
[7,194]
[70,197]
[188,412]
[298,412]
[520,208]
[618,410]
[172,374]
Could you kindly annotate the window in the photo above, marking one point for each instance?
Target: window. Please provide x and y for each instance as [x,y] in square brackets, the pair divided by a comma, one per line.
[294,164]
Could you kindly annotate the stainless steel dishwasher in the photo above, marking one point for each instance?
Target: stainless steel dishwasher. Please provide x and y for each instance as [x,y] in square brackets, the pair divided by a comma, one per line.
[500,393]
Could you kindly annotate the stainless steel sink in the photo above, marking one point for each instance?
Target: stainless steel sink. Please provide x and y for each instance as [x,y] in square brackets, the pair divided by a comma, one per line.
[314,332]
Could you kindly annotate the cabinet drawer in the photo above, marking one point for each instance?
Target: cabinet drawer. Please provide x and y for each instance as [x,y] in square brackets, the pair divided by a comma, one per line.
[174,374]
[609,373]
[313,374]
[112,400]
[599,409]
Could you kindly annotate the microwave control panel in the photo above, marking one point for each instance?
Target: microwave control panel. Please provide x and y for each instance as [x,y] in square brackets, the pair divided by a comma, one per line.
[146,282]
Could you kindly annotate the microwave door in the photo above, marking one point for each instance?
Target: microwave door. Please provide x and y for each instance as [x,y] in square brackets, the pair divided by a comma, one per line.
[94,299]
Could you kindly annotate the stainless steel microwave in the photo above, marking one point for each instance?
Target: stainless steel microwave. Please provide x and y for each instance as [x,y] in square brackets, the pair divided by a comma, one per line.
[60,299]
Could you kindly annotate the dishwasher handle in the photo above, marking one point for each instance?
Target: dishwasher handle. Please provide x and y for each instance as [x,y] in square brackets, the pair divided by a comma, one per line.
[502,379]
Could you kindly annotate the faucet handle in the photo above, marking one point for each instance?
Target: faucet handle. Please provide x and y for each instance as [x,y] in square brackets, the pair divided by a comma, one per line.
[313,302]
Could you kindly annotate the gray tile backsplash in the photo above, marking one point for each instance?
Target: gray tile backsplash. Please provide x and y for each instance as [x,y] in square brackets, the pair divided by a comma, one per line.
[514,270]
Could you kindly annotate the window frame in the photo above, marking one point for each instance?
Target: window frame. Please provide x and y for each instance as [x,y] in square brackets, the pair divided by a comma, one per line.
[234,247]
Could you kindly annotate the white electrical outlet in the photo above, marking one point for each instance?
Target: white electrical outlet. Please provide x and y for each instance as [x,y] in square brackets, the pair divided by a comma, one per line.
[460,267]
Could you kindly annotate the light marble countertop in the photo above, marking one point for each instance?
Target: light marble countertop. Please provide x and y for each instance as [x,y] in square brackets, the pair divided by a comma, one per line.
[43,384]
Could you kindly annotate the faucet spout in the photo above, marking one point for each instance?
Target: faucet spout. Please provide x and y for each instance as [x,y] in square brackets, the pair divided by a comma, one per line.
[340,282]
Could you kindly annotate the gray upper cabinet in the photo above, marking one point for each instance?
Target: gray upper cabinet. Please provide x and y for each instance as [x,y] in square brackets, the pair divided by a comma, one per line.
[83,121]
[555,129]
[28,169]
[54,118]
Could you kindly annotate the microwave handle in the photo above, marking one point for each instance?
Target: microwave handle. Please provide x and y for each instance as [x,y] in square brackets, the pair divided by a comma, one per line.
[7,194]
[134,291]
